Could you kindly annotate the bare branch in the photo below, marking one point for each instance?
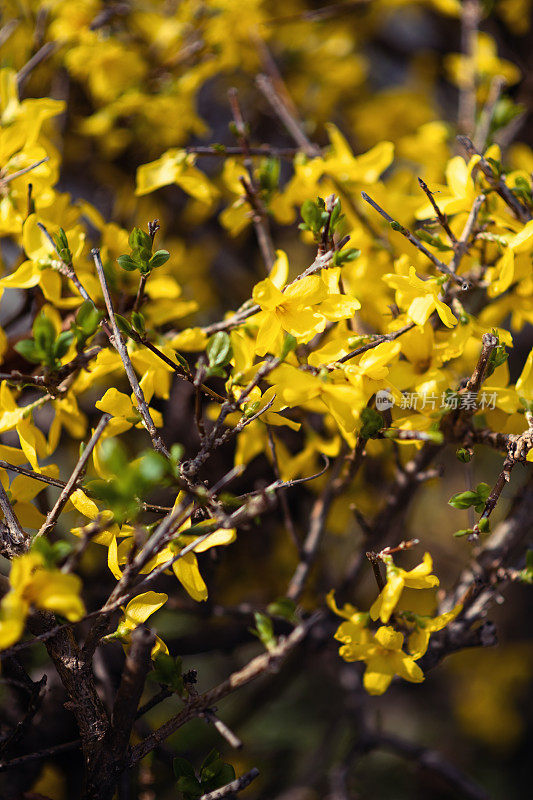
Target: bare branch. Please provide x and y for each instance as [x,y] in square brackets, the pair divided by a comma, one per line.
[50,521]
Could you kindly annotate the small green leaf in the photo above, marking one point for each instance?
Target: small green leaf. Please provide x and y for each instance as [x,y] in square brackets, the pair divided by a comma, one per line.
[123,324]
[62,344]
[219,349]
[484,525]
[127,263]
[464,454]
[283,607]
[88,318]
[137,321]
[182,767]
[289,344]
[44,333]
[372,423]
[464,532]
[264,630]
[27,349]
[463,500]
[159,258]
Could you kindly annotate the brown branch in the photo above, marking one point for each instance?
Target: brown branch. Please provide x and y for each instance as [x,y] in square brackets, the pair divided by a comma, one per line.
[441,266]
[13,539]
[498,184]
[43,53]
[442,218]
[134,674]
[470,19]
[260,665]
[379,339]
[231,789]
[318,518]
[461,246]
[251,189]
[116,340]
[50,521]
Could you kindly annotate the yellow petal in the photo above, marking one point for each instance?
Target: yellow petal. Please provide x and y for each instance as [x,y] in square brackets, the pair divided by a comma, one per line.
[144,605]
[187,572]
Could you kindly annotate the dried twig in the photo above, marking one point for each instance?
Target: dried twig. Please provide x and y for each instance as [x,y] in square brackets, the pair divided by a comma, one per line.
[118,343]
[498,184]
[231,789]
[50,521]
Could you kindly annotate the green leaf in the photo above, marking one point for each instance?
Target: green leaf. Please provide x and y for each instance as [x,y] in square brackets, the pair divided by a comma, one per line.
[88,318]
[44,333]
[372,423]
[127,263]
[176,452]
[219,349]
[289,344]
[463,500]
[137,321]
[483,491]
[27,349]
[183,768]
[62,344]
[269,174]
[123,324]
[215,372]
[464,532]
[345,256]
[484,525]
[283,607]
[159,258]
[312,216]
[190,787]
[138,239]
[113,456]
[182,361]
[152,467]
[464,454]
[264,630]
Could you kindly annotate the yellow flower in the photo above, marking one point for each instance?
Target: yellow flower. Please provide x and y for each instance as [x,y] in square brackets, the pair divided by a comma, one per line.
[288,311]
[484,64]
[185,568]
[175,166]
[364,169]
[124,411]
[385,659]
[397,580]
[136,613]
[34,585]
[419,298]
[425,626]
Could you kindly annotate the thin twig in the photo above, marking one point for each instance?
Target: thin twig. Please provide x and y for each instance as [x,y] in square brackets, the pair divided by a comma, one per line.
[442,218]
[231,789]
[470,18]
[46,50]
[118,343]
[441,266]
[50,521]
[498,184]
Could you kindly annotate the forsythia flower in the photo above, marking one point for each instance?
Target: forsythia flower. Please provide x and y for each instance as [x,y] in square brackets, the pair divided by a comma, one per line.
[34,585]
[136,612]
[420,298]
[399,579]
[381,651]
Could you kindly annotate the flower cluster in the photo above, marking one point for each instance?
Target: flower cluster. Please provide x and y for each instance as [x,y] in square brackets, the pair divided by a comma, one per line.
[382,650]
